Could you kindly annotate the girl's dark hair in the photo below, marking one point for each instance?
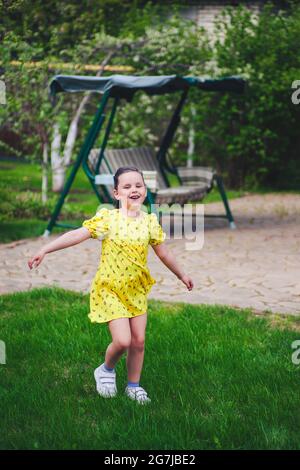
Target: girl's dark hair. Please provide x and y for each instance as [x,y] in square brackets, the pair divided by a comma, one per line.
[120,171]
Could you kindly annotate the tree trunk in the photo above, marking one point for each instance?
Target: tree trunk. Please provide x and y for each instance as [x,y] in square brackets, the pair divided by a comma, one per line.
[73,129]
[72,132]
[71,137]
[45,173]
[191,147]
[57,163]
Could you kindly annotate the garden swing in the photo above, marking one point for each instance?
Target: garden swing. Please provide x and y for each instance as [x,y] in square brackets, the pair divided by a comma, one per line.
[100,164]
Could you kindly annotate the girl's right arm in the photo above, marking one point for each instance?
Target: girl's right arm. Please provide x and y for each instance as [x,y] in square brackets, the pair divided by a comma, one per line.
[64,241]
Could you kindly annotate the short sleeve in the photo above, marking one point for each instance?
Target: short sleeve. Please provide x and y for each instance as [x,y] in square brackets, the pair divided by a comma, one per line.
[98,225]
[157,235]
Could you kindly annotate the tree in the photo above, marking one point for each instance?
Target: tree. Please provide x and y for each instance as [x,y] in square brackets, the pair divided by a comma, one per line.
[255,139]
[176,46]
[28,110]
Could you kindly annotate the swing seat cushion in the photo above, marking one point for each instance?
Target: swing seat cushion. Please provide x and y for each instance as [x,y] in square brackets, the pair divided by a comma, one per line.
[197,175]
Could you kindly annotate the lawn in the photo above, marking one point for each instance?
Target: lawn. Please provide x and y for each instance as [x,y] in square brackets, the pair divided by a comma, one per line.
[219,378]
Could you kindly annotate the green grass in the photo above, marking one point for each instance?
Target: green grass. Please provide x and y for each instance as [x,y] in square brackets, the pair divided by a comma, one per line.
[27,177]
[218,378]
[13,230]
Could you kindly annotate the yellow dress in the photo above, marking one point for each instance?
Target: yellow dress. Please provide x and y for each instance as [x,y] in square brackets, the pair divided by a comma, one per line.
[122,282]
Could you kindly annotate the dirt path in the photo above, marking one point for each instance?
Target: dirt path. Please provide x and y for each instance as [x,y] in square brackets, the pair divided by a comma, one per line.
[257,265]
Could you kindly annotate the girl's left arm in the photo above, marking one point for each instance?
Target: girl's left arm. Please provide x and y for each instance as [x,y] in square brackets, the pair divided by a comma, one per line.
[166,257]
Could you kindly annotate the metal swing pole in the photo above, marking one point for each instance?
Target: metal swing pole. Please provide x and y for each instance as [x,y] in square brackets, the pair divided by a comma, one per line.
[85,149]
[85,167]
[107,132]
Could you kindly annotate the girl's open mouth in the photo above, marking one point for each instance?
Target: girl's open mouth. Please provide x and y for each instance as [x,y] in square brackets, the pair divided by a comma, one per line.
[134,197]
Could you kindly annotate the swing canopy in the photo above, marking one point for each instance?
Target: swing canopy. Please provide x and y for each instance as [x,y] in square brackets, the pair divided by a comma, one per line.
[125,86]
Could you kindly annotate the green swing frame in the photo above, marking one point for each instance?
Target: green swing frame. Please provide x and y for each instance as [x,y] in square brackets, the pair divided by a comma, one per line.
[117,87]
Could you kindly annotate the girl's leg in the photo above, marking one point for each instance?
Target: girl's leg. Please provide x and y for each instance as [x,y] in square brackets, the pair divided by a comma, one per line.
[135,355]
[121,339]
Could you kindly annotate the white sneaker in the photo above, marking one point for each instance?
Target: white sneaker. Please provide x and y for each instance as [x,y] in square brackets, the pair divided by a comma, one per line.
[138,394]
[105,382]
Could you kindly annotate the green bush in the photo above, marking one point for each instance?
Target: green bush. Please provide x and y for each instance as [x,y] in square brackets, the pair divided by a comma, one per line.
[254,138]
[27,204]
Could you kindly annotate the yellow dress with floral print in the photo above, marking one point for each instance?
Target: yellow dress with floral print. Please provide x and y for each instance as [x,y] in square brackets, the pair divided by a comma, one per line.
[123,281]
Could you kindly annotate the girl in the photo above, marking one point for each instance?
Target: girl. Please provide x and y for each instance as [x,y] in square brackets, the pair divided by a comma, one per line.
[119,289]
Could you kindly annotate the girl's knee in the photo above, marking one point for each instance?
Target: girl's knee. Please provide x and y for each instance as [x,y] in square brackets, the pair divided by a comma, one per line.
[123,343]
[138,342]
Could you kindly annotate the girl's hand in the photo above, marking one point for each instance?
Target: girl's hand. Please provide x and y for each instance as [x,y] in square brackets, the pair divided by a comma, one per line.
[36,260]
[188,282]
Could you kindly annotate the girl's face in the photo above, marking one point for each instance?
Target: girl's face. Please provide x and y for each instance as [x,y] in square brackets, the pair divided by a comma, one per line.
[131,190]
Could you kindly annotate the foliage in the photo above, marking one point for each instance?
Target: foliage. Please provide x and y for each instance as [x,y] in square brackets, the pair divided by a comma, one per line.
[251,139]
[255,137]
[28,111]
[60,25]
[175,47]
[28,204]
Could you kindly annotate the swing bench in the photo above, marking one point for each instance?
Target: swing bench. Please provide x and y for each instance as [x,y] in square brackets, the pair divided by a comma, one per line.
[100,164]
[196,181]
